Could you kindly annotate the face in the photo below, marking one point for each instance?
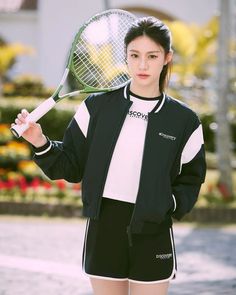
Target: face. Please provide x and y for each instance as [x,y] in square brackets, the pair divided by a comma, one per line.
[145,60]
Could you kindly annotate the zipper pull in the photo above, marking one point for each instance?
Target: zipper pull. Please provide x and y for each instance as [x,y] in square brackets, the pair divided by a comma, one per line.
[129,233]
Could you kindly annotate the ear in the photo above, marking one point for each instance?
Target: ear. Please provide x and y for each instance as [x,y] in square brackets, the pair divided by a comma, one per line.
[168,58]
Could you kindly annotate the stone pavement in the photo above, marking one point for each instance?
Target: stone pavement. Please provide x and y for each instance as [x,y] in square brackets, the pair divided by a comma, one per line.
[41,256]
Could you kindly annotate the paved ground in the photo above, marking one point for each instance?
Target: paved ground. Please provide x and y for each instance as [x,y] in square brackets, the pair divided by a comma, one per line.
[40,256]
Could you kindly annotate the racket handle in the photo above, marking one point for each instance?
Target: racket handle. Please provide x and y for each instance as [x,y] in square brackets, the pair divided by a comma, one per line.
[34,116]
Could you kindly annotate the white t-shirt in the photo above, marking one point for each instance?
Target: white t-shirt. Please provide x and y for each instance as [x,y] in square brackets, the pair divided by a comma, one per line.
[122,180]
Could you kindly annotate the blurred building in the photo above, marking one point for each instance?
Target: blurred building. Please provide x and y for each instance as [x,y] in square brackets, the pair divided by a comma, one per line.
[49,26]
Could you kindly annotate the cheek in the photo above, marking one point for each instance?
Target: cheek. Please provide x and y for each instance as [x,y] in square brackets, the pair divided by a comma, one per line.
[161,64]
[130,64]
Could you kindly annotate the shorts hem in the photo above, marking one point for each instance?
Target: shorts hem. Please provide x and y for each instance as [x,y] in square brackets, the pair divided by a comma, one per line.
[173,273]
[154,282]
[105,278]
[131,280]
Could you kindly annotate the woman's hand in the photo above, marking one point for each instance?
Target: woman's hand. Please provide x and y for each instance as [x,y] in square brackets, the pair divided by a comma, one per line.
[34,133]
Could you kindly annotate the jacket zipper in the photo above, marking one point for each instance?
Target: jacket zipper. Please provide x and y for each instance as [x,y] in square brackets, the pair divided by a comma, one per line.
[129,228]
[109,160]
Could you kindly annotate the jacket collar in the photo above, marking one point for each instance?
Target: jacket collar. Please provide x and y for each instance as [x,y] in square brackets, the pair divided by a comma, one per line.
[157,107]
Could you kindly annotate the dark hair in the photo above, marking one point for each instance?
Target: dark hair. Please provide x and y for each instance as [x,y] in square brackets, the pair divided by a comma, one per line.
[159,33]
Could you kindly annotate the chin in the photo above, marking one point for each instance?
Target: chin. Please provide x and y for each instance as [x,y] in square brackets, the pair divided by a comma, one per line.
[145,83]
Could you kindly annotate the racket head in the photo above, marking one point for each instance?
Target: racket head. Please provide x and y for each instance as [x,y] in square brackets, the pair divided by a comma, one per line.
[97,57]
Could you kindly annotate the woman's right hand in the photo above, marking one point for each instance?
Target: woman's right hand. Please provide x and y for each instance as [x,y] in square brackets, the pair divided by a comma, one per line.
[34,133]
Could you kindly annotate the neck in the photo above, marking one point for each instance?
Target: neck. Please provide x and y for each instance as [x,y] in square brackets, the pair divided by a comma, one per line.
[145,91]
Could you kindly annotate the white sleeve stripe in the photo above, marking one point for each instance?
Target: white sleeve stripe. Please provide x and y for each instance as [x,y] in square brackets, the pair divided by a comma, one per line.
[82,118]
[193,145]
[44,151]
[174,202]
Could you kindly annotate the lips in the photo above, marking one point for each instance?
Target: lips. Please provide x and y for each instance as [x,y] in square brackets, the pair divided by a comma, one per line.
[143,76]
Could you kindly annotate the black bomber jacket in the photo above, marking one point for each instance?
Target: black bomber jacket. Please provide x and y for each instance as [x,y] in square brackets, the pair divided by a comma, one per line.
[173,162]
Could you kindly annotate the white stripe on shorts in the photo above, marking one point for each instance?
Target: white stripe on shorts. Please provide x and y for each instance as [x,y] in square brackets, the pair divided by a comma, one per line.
[125,279]
[174,266]
[84,257]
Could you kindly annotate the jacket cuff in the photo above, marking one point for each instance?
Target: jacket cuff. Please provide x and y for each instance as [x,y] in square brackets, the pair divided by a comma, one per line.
[43,149]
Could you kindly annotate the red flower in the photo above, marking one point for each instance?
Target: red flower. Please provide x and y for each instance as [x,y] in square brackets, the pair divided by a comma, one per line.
[76,186]
[35,183]
[61,184]
[47,185]
[222,187]
[23,184]
[2,184]
[9,184]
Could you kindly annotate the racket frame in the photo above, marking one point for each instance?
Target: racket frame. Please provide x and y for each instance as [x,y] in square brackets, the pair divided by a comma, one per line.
[49,103]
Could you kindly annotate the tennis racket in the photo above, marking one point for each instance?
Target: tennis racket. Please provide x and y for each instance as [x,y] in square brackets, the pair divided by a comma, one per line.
[96,59]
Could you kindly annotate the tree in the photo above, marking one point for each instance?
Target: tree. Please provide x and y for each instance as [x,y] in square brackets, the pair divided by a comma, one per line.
[223,138]
[199,56]
[195,48]
[8,55]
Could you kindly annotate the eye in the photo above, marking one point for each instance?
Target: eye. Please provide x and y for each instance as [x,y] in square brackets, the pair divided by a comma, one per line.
[152,56]
[134,55]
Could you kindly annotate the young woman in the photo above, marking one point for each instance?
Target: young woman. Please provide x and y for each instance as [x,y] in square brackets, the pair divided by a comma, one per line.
[140,156]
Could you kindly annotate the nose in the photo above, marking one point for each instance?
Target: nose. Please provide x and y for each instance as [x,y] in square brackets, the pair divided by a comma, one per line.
[143,64]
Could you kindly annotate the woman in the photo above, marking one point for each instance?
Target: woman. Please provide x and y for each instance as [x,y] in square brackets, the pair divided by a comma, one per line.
[140,156]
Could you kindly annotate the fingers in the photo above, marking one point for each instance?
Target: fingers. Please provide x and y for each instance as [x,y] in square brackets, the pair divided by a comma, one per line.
[21,117]
[24,113]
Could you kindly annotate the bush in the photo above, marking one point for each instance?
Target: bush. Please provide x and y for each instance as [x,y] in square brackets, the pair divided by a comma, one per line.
[20,178]
[209,135]
[26,86]
[54,122]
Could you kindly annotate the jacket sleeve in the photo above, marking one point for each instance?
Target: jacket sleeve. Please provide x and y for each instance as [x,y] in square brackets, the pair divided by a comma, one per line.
[66,159]
[187,184]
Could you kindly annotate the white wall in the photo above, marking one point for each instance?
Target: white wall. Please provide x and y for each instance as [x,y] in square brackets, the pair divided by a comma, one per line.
[199,11]
[59,20]
[23,28]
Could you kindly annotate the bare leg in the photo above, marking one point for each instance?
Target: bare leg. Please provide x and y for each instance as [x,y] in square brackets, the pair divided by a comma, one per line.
[109,287]
[149,289]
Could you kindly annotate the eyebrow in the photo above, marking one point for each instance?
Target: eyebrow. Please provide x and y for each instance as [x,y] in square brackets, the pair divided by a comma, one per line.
[154,51]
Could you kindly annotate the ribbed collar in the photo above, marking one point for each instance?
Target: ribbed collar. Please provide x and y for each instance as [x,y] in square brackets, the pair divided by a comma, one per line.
[157,107]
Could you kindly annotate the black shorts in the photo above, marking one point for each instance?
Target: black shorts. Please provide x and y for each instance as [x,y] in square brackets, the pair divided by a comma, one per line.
[108,255]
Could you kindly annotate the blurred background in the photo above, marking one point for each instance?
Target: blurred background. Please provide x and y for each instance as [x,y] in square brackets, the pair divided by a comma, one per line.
[35,36]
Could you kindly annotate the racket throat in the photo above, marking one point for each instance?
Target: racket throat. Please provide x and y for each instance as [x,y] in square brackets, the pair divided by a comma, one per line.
[56,95]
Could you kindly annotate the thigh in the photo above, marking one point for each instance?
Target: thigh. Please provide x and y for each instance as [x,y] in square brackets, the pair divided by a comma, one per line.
[109,287]
[149,289]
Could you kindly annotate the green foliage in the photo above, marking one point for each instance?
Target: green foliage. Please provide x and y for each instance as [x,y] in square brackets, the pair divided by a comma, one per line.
[194,48]
[54,122]
[209,135]
[8,54]
[26,85]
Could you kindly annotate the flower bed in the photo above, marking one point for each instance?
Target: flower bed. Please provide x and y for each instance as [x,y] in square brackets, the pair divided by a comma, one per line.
[17,187]
[22,181]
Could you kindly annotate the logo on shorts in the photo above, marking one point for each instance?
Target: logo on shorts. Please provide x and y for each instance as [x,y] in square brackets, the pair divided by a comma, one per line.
[164,256]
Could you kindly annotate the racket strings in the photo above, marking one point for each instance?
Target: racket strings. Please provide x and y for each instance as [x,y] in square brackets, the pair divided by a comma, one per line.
[89,73]
[86,70]
[100,71]
[99,58]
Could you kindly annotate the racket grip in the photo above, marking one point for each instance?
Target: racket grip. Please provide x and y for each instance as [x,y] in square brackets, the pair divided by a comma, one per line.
[34,116]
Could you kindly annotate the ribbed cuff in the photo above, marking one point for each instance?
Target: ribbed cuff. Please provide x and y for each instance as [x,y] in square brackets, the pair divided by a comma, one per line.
[43,149]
